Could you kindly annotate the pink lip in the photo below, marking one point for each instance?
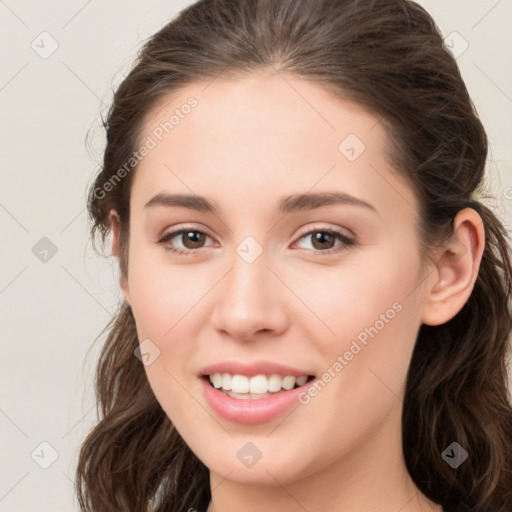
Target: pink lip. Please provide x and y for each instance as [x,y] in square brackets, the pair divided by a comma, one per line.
[250,411]
[254,368]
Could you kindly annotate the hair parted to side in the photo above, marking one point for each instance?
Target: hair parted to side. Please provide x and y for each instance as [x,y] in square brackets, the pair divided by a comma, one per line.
[386,55]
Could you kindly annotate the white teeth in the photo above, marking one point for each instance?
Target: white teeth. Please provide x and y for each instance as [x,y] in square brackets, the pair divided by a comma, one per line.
[288,382]
[226,381]
[239,384]
[258,384]
[217,380]
[274,383]
[301,380]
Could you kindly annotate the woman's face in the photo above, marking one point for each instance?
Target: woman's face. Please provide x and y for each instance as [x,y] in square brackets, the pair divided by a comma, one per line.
[262,280]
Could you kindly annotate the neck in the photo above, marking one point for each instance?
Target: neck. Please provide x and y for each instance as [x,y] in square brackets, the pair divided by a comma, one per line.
[367,478]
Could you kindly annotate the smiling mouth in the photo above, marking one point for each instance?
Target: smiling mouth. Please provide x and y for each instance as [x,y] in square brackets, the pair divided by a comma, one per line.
[256,396]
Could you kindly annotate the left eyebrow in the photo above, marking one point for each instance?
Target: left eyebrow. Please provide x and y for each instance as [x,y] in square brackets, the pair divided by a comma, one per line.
[311,201]
[286,204]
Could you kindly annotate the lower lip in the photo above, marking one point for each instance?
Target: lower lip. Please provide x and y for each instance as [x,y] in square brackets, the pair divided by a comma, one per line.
[250,411]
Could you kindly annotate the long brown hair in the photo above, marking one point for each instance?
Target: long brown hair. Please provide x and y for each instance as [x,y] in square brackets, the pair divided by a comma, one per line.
[388,56]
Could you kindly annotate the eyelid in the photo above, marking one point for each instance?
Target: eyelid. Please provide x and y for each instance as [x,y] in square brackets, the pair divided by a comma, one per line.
[347,240]
[305,231]
[183,227]
[308,230]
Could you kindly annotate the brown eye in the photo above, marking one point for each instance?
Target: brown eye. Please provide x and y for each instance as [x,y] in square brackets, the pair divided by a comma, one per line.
[194,238]
[323,240]
[190,239]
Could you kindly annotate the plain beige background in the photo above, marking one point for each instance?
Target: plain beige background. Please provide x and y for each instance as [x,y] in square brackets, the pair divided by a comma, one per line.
[59,63]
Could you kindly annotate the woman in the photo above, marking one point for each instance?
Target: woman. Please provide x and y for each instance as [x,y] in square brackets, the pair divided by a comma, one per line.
[316,302]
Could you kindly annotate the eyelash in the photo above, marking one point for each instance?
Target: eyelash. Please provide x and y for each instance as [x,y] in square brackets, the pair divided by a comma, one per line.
[347,242]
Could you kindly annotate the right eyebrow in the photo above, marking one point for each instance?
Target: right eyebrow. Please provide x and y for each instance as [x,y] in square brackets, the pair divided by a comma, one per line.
[192,202]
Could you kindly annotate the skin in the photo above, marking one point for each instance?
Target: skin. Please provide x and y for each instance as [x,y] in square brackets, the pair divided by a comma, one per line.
[248,142]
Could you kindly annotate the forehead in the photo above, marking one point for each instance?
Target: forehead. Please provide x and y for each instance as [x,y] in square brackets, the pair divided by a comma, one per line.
[263,107]
[262,135]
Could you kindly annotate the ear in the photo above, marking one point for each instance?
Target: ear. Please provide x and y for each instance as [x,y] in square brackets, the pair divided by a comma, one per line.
[115,224]
[450,284]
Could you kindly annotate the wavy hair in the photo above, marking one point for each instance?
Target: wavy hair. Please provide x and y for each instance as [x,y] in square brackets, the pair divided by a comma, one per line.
[388,56]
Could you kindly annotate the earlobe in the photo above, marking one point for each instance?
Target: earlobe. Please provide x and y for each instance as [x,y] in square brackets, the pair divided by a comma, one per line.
[124,288]
[454,278]
[115,225]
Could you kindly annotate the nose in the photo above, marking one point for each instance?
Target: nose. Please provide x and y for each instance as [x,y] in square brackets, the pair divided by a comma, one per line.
[250,301]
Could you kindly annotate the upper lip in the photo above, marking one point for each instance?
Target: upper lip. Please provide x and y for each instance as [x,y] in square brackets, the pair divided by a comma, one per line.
[253,368]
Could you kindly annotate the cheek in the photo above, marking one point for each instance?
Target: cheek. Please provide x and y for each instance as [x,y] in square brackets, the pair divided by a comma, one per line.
[350,300]
[360,310]
[373,319]
[167,306]
[168,317]
[161,294]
